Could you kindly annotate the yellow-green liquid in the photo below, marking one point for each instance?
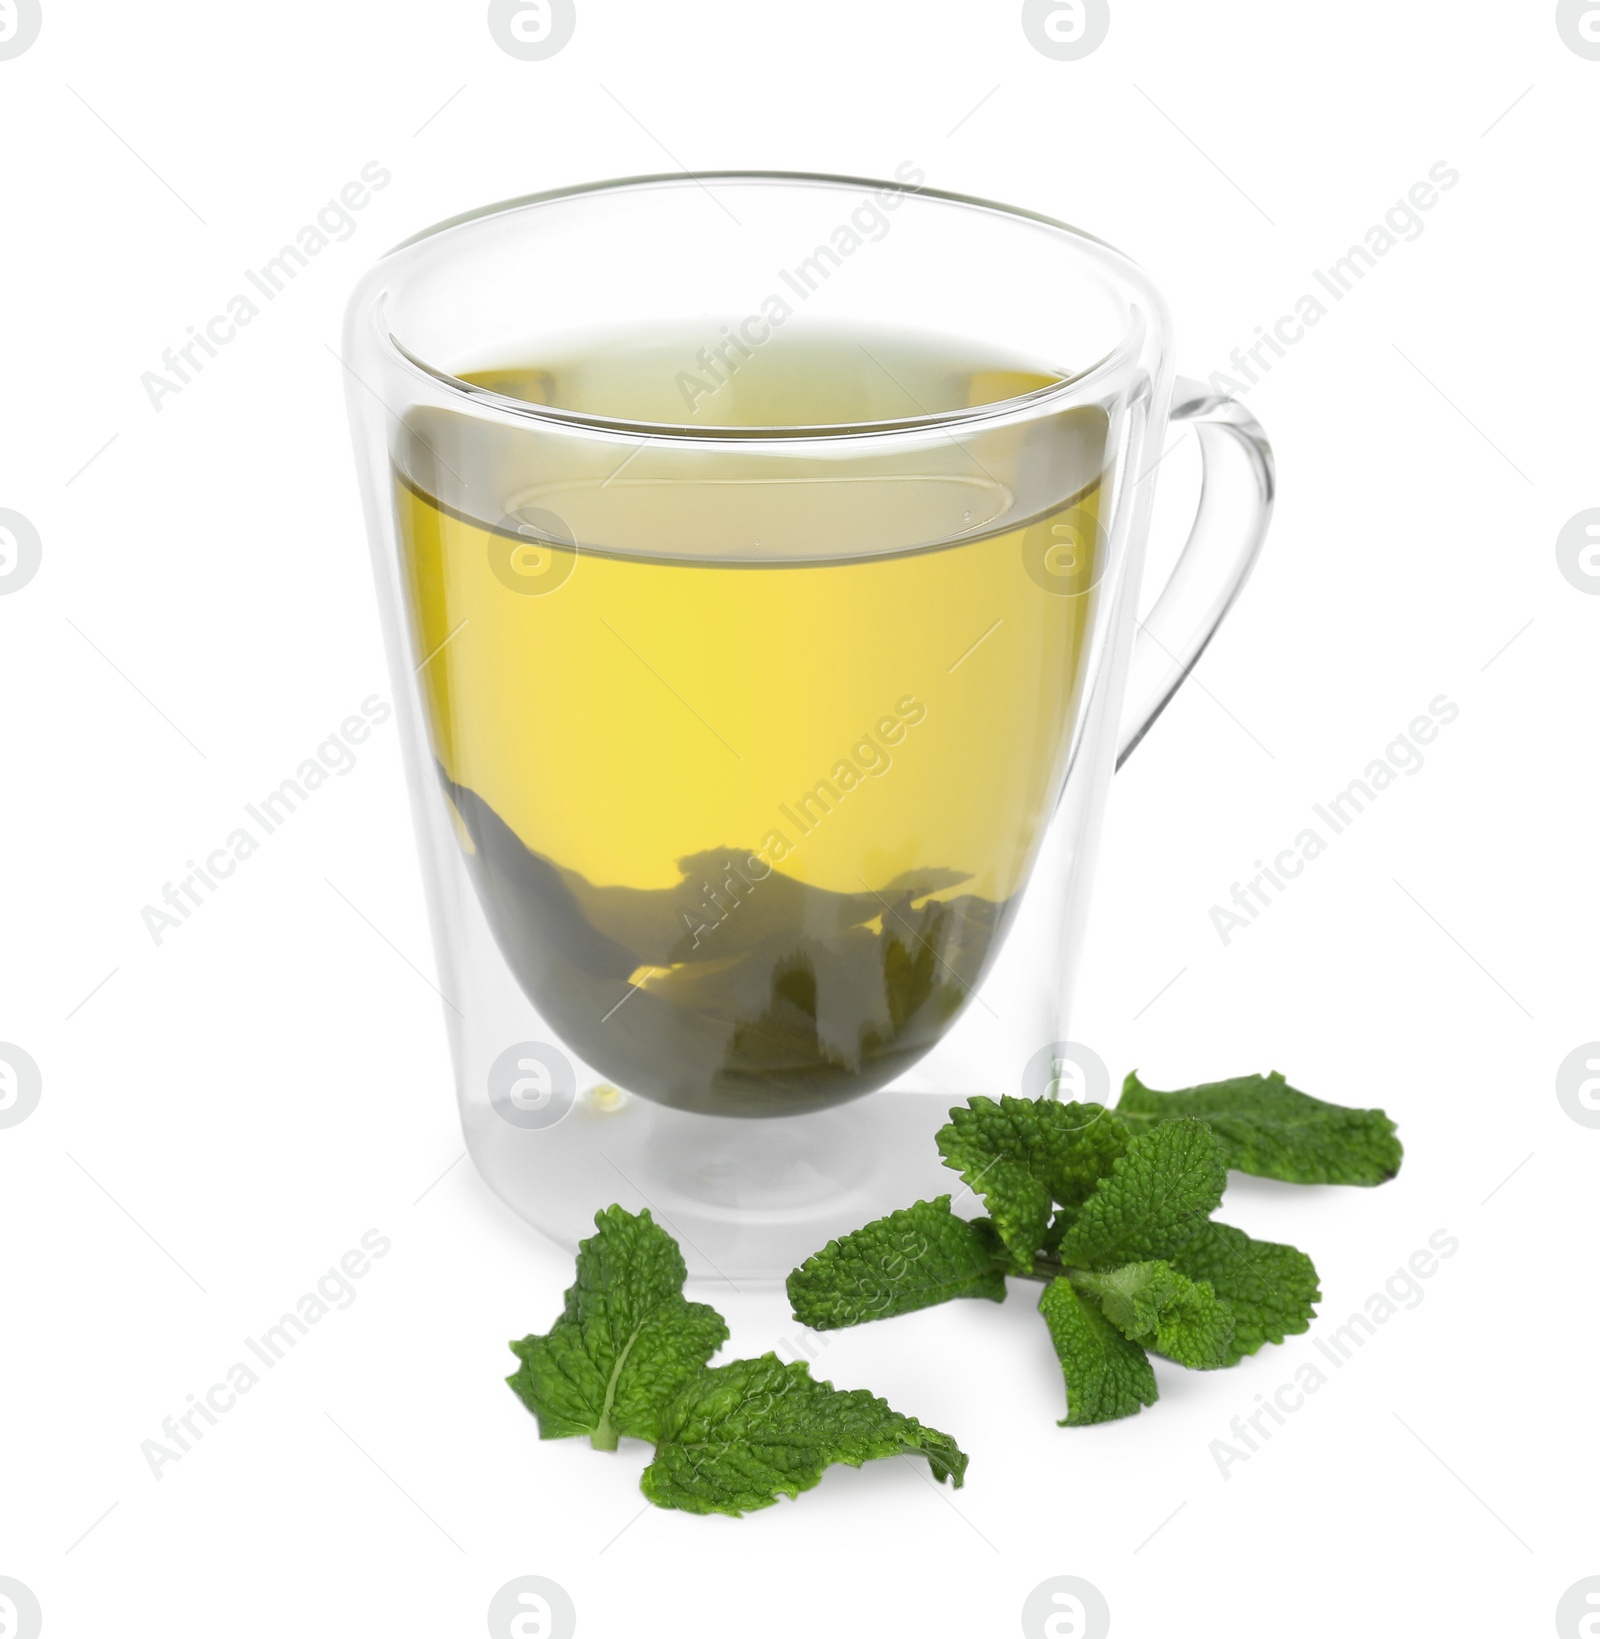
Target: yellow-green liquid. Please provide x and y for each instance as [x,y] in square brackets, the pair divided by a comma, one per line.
[748,829]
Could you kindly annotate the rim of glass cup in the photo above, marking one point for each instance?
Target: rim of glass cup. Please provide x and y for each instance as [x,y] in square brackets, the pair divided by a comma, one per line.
[1071,388]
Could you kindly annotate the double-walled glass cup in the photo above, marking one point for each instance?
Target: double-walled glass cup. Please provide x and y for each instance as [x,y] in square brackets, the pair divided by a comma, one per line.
[758,557]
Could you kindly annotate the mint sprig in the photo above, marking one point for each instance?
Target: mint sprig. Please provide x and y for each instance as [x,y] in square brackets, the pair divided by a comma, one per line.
[628,1357]
[1112,1211]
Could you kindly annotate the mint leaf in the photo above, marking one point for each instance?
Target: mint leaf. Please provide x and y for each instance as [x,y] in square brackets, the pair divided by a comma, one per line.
[1271,1289]
[1159,1308]
[626,1342]
[1022,1154]
[1107,1375]
[1268,1128]
[738,1437]
[1158,1194]
[912,1259]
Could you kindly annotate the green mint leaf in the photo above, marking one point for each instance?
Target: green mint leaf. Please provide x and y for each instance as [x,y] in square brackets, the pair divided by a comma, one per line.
[1271,1289]
[910,1260]
[1159,1308]
[1158,1194]
[626,1342]
[1268,1128]
[1107,1375]
[737,1437]
[1022,1154]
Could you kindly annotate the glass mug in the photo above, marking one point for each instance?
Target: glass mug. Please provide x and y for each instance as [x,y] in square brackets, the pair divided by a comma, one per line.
[758,557]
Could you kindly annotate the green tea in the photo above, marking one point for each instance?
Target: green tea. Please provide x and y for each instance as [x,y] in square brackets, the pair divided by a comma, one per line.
[749,821]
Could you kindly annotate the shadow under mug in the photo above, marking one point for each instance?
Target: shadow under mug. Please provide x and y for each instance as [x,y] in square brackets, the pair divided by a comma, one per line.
[911,940]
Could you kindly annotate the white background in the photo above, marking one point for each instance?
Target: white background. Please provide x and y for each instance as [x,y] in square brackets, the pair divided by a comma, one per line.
[226,1114]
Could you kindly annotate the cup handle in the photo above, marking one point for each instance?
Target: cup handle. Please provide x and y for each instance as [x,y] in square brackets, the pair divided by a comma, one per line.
[1236,494]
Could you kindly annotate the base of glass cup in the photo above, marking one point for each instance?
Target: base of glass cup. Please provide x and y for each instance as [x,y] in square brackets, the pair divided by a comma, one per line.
[746,1200]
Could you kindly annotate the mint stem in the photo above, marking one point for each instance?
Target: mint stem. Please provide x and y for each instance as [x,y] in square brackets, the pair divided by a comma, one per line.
[1049,1269]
